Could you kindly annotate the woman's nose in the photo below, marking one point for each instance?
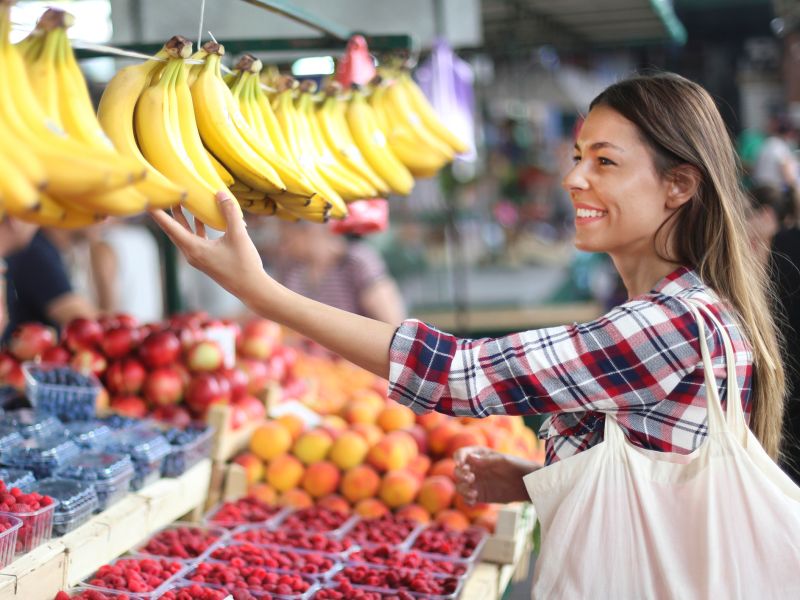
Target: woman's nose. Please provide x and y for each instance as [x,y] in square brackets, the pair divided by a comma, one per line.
[574,179]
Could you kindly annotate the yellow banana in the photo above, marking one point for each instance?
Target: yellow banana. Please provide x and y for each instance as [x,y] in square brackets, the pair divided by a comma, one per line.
[18,193]
[160,146]
[50,213]
[223,173]
[220,127]
[23,159]
[371,141]
[115,115]
[419,103]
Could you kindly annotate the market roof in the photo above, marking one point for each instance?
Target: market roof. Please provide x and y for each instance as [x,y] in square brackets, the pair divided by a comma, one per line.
[526,23]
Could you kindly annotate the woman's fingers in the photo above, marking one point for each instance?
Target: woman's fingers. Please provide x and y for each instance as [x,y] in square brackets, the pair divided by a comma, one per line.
[233,218]
[179,234]
[200,228]
[180,217]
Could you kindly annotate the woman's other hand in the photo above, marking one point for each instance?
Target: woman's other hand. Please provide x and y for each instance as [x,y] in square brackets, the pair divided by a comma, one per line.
[485,475]
[232,260]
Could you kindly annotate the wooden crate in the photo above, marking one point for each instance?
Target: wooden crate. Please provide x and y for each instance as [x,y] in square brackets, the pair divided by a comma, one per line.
[512,534]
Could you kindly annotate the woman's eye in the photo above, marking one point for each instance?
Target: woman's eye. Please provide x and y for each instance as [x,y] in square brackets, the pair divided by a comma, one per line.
[604,161]
[576,159]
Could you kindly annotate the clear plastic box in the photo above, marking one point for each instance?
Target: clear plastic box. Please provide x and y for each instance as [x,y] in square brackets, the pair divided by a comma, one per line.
[470,552]
[302,520]
[128,562]
[147,448]
[17,478]
[42,455]
[61,391]
[243,508]
[10,525]
[87,592]
[159,543]
[318,565]
[110,474]
[183,590]
[355,574]
[210,569]
[411,559]
[373,532]
[77,500]
[189,447]
[88,434]
[28,423]
[9,436]
[259,534]
[379,593]
[37,527]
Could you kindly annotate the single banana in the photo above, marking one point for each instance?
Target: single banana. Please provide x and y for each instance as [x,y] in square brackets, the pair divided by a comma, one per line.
[160,146]
[50,213]
[18,193]
[115,115]
[399,107]
[220,128]
[419,103]
[371,141]
[22,157]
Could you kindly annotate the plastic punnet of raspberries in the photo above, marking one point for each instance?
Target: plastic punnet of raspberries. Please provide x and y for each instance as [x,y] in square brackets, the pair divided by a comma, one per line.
[237,574]
[392,557]
[135,574]
[275,557]
[245,510]
[293,538]
[399,579]
[437,539]
[314,518]
[180,542]
[345,591]
[388,529]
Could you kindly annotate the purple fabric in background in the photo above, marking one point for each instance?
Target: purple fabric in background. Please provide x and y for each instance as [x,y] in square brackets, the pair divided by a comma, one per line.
[447,82]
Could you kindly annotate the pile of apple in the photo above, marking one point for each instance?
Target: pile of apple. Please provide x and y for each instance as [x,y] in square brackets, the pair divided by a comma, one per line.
[169,371]
[376,457]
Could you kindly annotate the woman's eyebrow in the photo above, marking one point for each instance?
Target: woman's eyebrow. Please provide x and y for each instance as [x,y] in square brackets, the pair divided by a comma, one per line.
[599,145]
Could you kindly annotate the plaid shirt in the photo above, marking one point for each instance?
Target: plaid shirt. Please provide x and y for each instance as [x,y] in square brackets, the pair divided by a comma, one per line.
[641,362]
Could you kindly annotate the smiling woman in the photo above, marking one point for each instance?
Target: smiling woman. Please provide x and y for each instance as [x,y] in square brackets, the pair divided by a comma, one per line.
[635,398]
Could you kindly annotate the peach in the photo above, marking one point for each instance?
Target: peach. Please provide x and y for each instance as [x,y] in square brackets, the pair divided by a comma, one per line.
[470,436]
[414,512]
[359,482]
[431,419]
[407,440]
[473,511]
[445,466]
[371,508]
[487,521]
[294,424]
[369,431]
[284,472]
[296,498]
[388,454]
[253,467]
[436,493]
[348,450]
[264,492]
[321,479]
[452,519]
[335,503]
[398,488]
[394,417]
[360,411]
[419,466]
[270,440]
[333,424]
[371,398]
[439,437]
[312,446]
[420,437]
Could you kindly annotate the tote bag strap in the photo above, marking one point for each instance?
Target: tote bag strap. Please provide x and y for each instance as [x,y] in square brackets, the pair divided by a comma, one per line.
[735,414]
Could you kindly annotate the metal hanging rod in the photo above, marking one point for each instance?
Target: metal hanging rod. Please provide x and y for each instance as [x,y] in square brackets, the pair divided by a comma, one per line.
[291,11]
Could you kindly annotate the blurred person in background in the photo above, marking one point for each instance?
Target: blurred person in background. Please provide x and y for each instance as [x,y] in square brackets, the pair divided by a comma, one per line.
[767,211]
[14,235]
[776,164]
[343,272]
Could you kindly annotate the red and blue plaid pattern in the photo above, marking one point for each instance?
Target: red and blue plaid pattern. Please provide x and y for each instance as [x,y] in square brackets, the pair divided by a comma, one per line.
[641,361]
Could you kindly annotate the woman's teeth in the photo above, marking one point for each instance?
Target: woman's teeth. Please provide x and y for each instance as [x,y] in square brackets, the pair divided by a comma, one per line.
[588,212]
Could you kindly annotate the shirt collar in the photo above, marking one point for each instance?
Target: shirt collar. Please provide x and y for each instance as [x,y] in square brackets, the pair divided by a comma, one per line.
[679,279]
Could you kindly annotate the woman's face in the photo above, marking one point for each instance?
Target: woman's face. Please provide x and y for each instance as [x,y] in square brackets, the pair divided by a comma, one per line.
[619,199]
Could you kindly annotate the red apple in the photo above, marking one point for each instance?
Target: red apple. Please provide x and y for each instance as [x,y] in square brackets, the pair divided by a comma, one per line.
[57,355]
[89,361]
[11,372]
[163,387]
[83,334]
[206,389]
[239,417]
[189,336]
[277,368]
[130,406]
[255,409]
[30,340]
[173,414]
[259,338]
[238,380]
[257,372]
[119,341]
[205,356]
[290,356]
[160,349]
[126,320]
[107,322]
[193,319]
[186,376]
[125,376]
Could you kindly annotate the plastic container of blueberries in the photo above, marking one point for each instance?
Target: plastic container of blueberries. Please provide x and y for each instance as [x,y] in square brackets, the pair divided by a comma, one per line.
[65,401]
[473,557]
[88,434]
[257,594]
[239,535]
[346,532]
[77,501]
[336,559]
[147,449]
[28,423]
[220,534]
[19,478]
[151,594]
[464,565]
[110,474]
[281,523]
[184,456]
[8,538]
[450,596]
[269,523]
[42,455]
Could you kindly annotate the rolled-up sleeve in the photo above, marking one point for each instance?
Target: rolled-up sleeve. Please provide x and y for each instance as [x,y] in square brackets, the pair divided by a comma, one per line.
[628,359]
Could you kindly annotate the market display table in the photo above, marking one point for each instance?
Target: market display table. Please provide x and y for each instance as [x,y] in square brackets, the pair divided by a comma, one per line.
[64,561]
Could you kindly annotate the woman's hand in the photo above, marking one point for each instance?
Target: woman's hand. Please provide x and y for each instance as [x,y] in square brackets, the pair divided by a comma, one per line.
[232,260]
[485,475]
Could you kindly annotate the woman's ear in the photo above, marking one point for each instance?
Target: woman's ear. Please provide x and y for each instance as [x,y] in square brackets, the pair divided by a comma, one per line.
[684,183]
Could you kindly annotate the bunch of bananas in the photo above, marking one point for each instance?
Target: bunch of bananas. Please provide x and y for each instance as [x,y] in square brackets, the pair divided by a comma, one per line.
[56,166]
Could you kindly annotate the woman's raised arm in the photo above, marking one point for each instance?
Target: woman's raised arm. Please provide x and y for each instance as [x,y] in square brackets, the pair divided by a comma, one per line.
[234,263]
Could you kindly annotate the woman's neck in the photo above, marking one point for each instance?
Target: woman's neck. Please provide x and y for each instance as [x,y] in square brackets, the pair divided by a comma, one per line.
[641,274]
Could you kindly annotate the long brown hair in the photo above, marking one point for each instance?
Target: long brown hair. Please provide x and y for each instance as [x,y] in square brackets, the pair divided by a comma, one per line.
[678,119]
